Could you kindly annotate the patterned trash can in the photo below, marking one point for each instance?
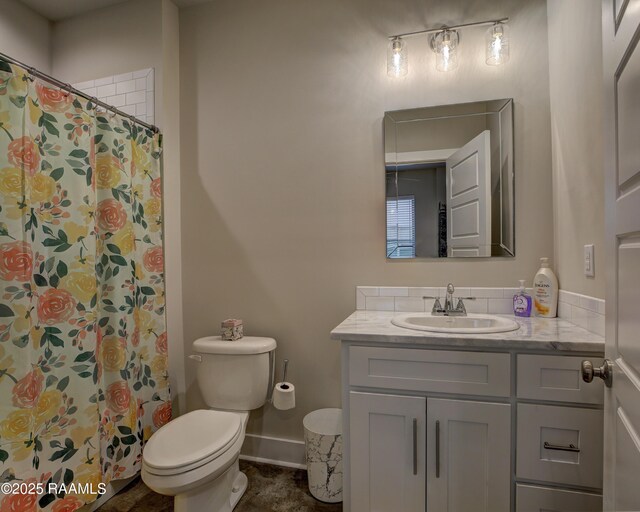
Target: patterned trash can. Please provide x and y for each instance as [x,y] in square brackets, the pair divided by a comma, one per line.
[323,442]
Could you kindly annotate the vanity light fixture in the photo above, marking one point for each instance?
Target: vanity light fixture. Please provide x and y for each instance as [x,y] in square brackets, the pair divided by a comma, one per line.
[397,58]
[445,45]
[497,44]
[444,41]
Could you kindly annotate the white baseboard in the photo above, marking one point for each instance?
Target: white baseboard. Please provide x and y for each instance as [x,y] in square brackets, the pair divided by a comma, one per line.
[272,450]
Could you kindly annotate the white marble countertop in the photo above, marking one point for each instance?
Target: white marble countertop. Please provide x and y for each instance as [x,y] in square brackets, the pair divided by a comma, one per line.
[534,334]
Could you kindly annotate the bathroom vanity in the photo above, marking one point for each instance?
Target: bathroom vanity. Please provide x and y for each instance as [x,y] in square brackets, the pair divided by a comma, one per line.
[459,422]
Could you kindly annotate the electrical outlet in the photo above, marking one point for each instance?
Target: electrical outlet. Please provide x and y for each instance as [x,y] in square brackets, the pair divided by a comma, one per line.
[589,267]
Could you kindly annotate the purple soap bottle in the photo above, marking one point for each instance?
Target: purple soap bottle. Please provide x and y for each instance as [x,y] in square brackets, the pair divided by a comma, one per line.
[522,302]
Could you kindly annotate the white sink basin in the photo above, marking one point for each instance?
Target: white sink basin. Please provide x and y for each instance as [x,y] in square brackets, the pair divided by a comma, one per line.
[472,323]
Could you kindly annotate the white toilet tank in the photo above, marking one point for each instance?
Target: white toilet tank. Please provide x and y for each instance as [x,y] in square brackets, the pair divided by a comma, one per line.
[234,375]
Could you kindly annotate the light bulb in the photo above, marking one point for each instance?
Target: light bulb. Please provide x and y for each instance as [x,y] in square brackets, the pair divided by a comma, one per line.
[397,58]
[497,44]
[445,45]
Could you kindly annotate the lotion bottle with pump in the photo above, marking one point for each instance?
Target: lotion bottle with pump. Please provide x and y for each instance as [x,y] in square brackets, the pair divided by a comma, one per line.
[545,286]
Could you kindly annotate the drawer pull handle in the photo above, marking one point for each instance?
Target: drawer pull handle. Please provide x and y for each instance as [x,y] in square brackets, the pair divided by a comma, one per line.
[570,448]
[437,449]
[415,446]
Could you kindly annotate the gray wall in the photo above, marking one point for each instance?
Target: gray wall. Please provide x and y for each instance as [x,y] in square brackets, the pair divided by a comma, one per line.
[25,35]
[575,67]
[283,185]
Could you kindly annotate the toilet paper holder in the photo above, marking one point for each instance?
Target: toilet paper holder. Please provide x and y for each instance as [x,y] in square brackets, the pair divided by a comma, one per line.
[272,374]
[283,396]
[283,382]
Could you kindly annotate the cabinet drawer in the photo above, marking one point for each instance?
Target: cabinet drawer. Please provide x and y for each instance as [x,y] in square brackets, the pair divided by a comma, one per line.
[468,373]
[530,498]
[560,427]
[558,379]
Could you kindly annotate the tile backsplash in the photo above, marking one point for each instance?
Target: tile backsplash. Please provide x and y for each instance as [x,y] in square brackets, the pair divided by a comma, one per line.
[133,93]
[408,299]
[582,310]
[586,312]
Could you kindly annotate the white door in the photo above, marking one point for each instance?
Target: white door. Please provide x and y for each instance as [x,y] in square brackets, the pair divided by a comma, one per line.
[468,456]
[621,30]
[469,198]
[387,454]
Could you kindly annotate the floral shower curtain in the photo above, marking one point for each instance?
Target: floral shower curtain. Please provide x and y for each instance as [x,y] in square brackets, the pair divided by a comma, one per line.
[83,342]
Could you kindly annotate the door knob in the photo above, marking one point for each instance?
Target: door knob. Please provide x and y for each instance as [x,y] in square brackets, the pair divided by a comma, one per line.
[605,372]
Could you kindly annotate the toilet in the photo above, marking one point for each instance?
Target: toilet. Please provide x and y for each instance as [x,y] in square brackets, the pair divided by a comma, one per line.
[195,456]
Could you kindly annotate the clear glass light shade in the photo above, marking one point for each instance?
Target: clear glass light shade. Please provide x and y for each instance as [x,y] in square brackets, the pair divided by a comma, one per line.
[497,44]
[445,45]
[397,58]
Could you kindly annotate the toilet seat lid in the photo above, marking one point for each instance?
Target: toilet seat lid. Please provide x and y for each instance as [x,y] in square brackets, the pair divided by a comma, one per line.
[197,435]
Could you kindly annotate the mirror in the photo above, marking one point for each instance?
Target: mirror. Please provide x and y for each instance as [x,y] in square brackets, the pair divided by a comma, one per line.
[450,181]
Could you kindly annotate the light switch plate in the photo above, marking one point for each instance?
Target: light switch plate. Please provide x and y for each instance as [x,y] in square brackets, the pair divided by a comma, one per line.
[589,266]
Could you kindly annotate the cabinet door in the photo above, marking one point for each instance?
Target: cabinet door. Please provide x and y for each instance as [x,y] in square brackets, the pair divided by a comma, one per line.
[387,447]
[468,456]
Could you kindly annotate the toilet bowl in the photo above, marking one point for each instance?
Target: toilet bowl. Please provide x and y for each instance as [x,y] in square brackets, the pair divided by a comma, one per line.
[195,456]
[195,459]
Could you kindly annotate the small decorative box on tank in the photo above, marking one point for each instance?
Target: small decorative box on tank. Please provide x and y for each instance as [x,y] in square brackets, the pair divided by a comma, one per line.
[231,329]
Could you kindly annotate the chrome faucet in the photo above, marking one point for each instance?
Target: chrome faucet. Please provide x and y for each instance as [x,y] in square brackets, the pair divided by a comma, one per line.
[448,309]
[448,301]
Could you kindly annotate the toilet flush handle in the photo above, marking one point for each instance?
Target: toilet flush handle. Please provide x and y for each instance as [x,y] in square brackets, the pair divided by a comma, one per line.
[196,357]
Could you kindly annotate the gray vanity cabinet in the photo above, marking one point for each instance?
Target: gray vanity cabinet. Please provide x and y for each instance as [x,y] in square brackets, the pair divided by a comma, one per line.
[435,430]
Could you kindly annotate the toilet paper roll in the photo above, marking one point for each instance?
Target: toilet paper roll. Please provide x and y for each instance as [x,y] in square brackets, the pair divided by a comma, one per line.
[284,396]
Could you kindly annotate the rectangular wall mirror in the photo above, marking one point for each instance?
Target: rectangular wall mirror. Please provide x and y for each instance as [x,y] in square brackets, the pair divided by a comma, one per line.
[450,181]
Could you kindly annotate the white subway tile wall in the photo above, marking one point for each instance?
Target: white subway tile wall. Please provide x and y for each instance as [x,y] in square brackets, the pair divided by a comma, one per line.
[128,86]
[500,306]
[587,312]
[409,304]
[105,90]
[122,78]
[387,291]
[380,303]
[584,311]
[133,93]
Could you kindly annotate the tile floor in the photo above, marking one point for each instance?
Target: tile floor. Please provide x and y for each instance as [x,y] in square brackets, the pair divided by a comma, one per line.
[271,489]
